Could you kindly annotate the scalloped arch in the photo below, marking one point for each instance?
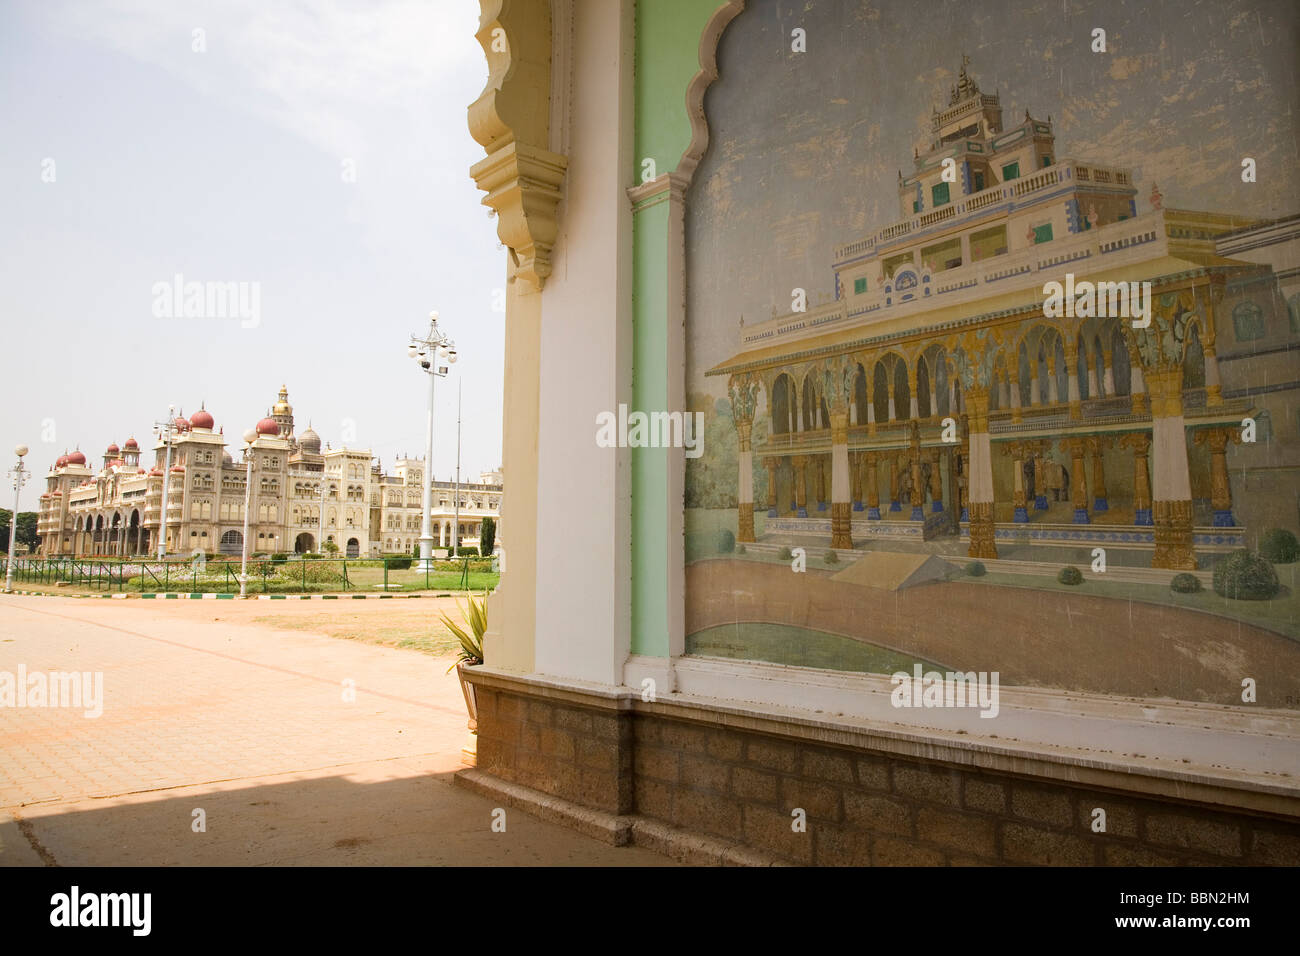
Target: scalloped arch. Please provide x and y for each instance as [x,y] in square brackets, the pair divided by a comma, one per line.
[700,83]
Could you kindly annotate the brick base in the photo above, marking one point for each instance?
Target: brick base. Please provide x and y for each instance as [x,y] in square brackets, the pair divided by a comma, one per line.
[740,787]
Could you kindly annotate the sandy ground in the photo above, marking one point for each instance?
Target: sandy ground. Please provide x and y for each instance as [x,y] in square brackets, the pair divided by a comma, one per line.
[1032,638]
[296,746]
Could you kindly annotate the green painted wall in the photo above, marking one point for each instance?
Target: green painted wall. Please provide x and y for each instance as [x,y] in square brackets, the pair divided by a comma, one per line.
[650,465]
[667,57]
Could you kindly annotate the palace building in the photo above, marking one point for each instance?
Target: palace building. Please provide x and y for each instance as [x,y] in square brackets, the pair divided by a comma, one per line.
[1064,427]
[115,509]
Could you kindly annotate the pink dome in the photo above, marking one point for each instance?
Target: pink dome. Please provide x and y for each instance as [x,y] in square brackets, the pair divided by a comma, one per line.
[201,419]
[268,426]
[112,449]
[176,468]
[131,445]
[60,461]
[182,425]
[76,458]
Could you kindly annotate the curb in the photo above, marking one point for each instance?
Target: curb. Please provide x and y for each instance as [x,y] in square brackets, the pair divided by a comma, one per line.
[211,596]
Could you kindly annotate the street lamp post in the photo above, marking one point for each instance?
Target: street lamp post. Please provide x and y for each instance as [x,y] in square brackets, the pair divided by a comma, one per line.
[428,351]
[164,431]
[20,477]
[250,436]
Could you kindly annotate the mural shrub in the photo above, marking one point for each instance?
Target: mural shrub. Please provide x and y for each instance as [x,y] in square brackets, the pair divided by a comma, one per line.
[1070,575]
[976,569]
[831,558]
[1279,546]
[1185,584]
[785,554]
[740,548]
[1245,576]
[724,541]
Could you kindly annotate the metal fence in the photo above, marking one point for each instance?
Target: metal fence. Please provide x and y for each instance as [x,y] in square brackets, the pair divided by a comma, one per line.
[265,575]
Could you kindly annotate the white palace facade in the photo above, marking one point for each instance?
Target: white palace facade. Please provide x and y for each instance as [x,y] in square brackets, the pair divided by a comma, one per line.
[1071,430]
[114,509]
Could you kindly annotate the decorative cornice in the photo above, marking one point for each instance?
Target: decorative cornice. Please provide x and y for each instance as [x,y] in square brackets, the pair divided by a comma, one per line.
[700,84]
[510,119]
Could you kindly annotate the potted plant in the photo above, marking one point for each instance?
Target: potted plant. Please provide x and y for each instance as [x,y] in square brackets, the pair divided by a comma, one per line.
[471,651]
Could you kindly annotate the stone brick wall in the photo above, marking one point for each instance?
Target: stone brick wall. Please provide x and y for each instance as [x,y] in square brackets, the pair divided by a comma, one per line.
[862,808]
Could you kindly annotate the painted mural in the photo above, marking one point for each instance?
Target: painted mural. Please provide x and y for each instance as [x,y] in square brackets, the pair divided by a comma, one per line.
[993,312]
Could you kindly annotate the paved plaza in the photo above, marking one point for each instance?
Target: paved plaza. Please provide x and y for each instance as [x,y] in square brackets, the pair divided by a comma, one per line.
[299,748]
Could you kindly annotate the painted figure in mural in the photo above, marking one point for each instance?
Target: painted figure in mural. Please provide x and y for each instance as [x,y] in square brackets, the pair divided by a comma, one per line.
[1028,471]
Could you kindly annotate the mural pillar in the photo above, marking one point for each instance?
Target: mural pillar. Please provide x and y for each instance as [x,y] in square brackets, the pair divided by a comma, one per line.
[1213,390]
[770,463]
[1140,442]
[894,504]
[1004,390]
[800,463]
[819,481]
[1220,490]
[1108,374]
[963,474]
[1053,393]
[744,391]
[1137,386]
[841,536]
[1072,380]
[981,475]
[855,479]
[1034,399]
[1077,448]
[1016,417]
[1171,491]
[1091,358]
[934,401]
[1097,444]
[936,482]
[1040,475]
[918,485]
[952,390]
[871,417]
[1016,451]
[871,478]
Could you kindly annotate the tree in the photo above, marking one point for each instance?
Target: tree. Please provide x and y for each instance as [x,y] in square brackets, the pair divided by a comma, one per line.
[329,547]
[487,536]
[26,529]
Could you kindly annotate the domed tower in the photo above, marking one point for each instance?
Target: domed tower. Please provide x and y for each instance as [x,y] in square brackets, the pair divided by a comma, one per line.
[310,442]
[282,412]
[131,452]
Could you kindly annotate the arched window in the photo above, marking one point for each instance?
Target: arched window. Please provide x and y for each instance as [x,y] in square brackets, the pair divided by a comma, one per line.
[1248,321]
[232,542]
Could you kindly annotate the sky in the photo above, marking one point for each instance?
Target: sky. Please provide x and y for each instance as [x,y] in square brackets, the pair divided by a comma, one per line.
[805,148]
[315,152]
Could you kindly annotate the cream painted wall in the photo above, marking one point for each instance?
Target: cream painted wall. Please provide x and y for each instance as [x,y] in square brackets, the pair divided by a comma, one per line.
[583,530]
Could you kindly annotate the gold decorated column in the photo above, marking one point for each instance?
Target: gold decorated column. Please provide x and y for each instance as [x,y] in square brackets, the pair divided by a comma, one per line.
[1171,505]
[1140,442]
[871,481]
[981,476]
[1217,440]
[855,479]
[841,514]
[800,463]
[1077,448]
[917,495]
[771,462]
[936,481]
[1097,445]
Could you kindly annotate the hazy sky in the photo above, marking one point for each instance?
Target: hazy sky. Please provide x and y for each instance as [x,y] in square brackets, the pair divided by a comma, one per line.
[230,165]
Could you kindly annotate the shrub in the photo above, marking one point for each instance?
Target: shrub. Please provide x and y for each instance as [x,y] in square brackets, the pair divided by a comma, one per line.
[1245,576]
[1279,546]
[1185,584]
[976,569]
[785,555]
[1070,575]
[831,557]
[740,548]
[467,551]
[725,541]
[398,563]
[311,556]
[279,558]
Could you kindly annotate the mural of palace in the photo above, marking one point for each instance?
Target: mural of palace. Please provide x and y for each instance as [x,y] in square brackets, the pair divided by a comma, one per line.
[115,509]
[935,396]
